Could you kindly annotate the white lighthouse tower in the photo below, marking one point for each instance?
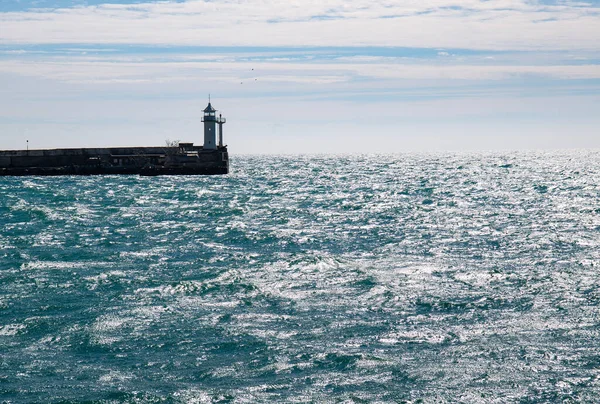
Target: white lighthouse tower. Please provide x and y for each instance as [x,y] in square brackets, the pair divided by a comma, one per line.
[210,128]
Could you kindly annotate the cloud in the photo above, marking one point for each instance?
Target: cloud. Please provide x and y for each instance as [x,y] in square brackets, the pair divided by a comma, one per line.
[271,70]
[474,24]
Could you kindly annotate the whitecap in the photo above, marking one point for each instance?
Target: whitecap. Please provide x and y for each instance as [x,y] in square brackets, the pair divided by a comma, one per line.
[10,330]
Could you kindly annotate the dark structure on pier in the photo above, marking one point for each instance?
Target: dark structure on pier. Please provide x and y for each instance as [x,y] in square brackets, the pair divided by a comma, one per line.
[181,159]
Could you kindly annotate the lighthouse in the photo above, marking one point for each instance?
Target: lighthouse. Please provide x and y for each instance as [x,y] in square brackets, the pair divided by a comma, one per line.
[211,121]
[210,128]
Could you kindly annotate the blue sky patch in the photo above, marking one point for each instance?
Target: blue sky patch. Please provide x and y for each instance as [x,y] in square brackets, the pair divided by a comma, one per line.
[24,5]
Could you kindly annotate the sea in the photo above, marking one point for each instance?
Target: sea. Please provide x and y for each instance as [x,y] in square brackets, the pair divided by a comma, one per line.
[395,278]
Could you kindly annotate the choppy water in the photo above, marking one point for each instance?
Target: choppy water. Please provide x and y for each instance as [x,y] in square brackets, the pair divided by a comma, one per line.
[443,278]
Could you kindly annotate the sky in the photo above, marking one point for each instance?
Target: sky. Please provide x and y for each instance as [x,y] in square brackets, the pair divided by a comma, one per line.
[304,76]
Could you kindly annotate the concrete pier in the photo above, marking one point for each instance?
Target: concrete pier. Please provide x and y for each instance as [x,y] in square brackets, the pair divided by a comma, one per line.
[181,159]
[185,159]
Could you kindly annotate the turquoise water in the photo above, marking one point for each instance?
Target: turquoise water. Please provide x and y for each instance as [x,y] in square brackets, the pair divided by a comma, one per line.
[417,277]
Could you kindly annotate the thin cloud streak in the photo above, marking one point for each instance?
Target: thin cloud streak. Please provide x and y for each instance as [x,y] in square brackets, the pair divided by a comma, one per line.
[97,70]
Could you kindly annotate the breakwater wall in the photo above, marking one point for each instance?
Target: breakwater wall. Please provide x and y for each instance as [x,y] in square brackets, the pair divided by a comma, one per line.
[184,159]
